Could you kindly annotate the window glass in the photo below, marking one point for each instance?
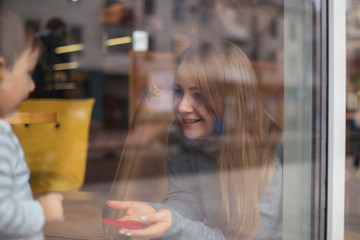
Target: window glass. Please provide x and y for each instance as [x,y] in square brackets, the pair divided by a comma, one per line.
[211,109]
[352,190]
[305,120]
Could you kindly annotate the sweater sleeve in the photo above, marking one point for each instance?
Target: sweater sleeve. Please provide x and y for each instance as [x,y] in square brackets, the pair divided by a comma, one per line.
[184,201]
[183,228]
[21,215]
[270,217]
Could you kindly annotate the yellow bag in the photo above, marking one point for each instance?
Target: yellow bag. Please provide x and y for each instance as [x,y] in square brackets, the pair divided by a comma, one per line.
[56,152]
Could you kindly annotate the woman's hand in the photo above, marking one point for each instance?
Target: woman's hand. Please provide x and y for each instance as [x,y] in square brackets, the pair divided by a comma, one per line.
[134,210]
[158,221]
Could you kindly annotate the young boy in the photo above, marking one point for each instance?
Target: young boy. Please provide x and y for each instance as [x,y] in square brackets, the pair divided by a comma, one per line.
[21,217]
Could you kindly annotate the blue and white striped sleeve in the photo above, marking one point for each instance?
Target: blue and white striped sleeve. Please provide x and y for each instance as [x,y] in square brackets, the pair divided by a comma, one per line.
[21,215]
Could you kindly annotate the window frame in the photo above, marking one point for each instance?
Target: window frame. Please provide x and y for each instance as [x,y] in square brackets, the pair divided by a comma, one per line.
[336,119]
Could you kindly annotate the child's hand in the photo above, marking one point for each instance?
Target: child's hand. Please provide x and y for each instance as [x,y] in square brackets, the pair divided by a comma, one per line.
[159,221]
[52,206]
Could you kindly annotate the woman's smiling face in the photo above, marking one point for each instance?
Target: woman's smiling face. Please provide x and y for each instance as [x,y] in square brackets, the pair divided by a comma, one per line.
[190,109]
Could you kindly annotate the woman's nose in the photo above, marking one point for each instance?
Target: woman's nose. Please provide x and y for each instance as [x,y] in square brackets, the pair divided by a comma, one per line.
[185,105]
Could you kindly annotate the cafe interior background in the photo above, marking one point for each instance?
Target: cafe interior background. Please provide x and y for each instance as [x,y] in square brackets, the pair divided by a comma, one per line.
[113,51]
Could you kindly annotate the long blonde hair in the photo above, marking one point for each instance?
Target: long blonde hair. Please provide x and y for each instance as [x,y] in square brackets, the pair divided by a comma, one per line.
[249,134]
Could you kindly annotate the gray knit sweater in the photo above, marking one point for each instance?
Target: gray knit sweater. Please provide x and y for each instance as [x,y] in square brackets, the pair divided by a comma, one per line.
[194,199]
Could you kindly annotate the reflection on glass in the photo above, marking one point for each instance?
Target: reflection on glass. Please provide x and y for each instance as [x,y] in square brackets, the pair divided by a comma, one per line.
[234,184]
[224,162]
[352,174]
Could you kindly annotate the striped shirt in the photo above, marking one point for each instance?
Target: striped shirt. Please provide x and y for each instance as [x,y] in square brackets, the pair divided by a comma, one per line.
[21,217]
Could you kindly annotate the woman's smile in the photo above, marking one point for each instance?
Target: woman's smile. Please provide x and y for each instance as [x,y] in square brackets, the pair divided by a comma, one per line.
[191,121]
[190,108]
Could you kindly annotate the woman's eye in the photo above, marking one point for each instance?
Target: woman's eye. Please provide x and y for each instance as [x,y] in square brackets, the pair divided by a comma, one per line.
[198,96]
[178,92]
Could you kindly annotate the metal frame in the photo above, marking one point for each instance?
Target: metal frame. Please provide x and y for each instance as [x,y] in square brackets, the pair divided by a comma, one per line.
[336,119]
[320,120]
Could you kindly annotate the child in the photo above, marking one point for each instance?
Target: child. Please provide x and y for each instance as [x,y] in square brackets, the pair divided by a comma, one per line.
[22,217]
[224,161]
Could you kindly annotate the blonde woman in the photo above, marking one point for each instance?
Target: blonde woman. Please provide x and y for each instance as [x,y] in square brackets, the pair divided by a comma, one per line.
[224,157]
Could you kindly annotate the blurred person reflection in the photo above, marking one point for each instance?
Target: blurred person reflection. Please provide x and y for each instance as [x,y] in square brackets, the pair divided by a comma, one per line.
[224,160]
[45,76]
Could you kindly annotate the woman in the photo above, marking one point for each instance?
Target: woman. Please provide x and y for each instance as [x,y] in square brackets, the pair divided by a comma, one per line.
[224,163]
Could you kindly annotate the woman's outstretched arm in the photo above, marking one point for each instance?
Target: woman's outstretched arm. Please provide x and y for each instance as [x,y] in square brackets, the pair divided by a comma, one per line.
[164,223]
